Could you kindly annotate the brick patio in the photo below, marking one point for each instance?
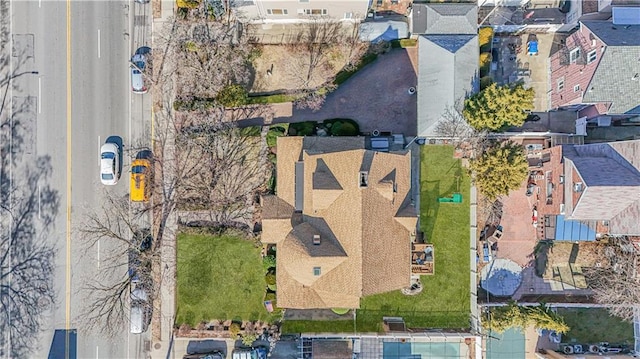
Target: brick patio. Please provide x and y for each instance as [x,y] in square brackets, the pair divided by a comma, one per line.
[518,235]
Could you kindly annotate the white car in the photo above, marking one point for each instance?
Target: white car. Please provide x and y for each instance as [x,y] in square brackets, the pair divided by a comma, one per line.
[109,164]
[138,63]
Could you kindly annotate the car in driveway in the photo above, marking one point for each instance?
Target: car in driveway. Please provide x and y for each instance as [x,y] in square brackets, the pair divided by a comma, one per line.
[138,64]
[110,163]
[140,177]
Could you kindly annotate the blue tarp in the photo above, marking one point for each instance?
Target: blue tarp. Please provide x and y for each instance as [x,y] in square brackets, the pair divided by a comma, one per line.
[570,230]
[532,47]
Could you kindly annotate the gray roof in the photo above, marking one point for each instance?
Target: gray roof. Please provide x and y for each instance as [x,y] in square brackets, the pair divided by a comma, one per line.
[613,80]
[610,173]
[614,35]
[447,74]
[385,30]
[445,19]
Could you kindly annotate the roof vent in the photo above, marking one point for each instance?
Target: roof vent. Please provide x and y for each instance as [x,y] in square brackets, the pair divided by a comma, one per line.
[316,239]
[364,179]
[636,77]
[577,187]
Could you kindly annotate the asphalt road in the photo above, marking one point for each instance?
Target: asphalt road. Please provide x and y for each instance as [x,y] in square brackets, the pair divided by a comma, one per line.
[74,113]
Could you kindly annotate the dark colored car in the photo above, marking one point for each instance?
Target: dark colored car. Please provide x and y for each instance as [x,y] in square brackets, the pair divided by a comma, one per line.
[205,349]
[214,355]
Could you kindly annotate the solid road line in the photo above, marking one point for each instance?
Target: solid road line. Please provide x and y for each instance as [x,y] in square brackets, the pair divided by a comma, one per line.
[68,264]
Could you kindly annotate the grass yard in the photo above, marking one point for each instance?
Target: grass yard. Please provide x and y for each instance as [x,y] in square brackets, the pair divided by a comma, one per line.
[444,302]
[593,325]
[219,277]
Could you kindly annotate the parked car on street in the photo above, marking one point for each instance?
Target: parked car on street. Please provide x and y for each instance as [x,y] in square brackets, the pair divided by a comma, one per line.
[138,65]
[140,314]
[140,177]
[109,163]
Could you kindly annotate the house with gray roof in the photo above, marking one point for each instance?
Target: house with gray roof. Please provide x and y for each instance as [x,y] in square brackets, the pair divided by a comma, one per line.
[447,60]
[599,64]
[602,186]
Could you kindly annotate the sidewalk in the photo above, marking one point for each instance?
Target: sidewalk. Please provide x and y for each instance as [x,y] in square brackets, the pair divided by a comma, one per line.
[162,346]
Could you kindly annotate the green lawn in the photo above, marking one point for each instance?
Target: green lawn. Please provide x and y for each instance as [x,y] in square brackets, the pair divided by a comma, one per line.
[593,325]
[444,302]
[219,277]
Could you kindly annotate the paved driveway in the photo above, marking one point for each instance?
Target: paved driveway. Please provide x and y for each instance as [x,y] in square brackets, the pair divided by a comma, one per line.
[376,97]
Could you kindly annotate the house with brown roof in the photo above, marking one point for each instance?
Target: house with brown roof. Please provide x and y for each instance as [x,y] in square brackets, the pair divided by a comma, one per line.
[342,221]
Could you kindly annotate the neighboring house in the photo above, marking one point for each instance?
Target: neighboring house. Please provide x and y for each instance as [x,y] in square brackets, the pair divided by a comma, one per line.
[602,186]
[342,221]
[447,60]
[297,11]
[598,64]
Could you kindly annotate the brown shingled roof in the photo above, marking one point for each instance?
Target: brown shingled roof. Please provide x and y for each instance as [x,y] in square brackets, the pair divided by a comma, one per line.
[364,230]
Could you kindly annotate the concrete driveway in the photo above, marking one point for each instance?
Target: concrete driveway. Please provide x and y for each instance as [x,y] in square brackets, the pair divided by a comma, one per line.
[376,97]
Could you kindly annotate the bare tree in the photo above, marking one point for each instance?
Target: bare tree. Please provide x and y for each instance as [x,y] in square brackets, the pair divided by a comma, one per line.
[315,52]
[616,282]
[131,252]
[232,167]
[454,126]
[205,55]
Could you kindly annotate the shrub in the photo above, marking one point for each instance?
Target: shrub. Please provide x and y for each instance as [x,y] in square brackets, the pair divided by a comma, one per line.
[248,339]
[306,128]
[485,35]
[268,262]
[234,330]
[232,96]
[276,131]
[485,81]
[270,278]
[251,131]
[402,43]
[485,63]
[340,311]
[485,59]
[270,296]
[342,127]
[187,4]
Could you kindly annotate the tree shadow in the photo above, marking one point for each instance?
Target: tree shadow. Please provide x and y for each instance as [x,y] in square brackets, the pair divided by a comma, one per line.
[28,208]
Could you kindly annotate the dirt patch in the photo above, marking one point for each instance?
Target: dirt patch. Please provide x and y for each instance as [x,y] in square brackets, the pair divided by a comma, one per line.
[279,68]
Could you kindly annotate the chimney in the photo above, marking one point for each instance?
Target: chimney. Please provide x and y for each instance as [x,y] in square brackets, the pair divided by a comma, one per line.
[316,239]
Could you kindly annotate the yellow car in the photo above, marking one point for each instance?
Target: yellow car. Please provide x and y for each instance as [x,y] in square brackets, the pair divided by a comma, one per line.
[140,175]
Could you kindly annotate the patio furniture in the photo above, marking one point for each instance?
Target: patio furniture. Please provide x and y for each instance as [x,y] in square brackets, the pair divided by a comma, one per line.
[421,258]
